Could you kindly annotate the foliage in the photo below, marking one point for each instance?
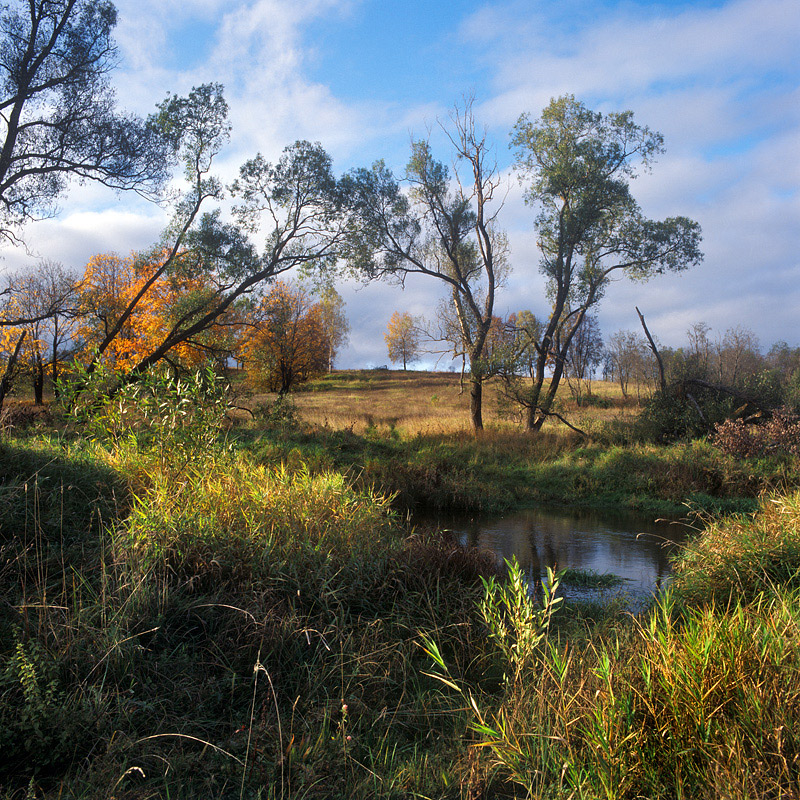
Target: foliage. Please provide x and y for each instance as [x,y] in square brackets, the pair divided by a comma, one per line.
[285,341]
[737,559]
[584,354]
[175,418]
[58,107]
[517,625]
[444,229]
[780,435]
[403,338]
[578,164]
[143,303]
[43,303]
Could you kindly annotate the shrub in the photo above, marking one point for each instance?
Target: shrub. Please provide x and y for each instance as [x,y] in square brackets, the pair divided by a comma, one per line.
[780,435]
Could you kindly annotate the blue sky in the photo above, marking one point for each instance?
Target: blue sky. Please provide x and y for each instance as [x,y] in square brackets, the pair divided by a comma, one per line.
[720,80]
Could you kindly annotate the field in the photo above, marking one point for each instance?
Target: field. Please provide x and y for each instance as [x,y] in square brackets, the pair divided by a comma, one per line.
[428,403]
[198,608]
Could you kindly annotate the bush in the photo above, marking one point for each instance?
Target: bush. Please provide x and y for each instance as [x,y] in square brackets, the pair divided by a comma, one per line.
[779,435]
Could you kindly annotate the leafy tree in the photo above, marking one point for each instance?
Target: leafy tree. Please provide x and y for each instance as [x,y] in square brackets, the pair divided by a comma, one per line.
[442,228]
[403,338]
[576,165]
[284,342]
[109,284]
[57,112]
[298,197]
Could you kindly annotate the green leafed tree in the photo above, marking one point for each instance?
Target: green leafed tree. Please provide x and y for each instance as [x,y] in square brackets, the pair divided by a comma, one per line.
[443,227]
[576,165]
[58,118]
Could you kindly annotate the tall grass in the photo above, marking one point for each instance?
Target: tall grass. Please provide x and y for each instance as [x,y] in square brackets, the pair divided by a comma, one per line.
[237,631]
[181,617]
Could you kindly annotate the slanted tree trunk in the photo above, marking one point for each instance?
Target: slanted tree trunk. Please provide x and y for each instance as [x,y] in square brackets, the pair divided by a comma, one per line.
[8,376]
[662,378]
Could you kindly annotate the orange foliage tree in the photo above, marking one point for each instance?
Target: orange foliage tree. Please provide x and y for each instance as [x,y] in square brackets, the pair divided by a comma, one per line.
[284,342]
[111,282]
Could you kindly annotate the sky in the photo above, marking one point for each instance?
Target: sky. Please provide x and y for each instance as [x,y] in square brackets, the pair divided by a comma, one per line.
[720,79]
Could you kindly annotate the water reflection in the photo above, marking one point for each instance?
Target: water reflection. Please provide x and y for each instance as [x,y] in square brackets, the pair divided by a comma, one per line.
[631,546]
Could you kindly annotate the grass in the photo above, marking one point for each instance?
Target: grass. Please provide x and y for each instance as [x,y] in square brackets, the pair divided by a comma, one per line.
[697,698]
[194,615]
[415,403]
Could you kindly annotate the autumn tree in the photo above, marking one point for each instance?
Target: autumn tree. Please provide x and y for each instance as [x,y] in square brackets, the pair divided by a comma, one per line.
[576,165]
[402,338]
[45,299]
[443,227]
[109,284]
[284,342]
[57,111]
[295,202]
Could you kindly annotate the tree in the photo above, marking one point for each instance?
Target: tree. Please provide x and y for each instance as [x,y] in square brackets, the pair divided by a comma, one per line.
[738,356]
[336,328]
[111,281]
[298,197]
[46,300]
[285,343]
[625,353]
[403,338]
[439,229]
[57,111]
[584,355]
[576,165]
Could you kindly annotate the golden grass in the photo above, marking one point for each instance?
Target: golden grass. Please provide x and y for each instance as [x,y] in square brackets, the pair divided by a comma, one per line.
[422,403]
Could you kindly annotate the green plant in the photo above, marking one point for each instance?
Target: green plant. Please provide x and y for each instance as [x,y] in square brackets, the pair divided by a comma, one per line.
[516,623]
[279,415]
[177,418]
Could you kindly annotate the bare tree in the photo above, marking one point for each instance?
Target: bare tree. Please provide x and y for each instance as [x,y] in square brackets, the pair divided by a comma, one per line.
[444,228]
[47,299]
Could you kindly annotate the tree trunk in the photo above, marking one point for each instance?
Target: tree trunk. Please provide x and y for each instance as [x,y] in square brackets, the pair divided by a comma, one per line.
[38,382]
[476,403]
[662,379]
[8,375]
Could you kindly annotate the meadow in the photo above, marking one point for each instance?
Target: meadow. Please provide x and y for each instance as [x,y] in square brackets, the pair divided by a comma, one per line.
[195,605]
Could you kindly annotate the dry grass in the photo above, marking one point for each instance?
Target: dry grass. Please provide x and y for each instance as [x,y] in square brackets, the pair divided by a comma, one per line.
[422,403]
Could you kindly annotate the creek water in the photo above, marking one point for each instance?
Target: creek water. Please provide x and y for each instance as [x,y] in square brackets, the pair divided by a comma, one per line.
[632,546]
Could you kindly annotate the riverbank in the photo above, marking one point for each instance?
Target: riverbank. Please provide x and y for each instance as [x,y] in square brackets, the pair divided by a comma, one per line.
[502,470]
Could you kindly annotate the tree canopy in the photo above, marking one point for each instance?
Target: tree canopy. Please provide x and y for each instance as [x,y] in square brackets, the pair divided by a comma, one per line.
[58,118]
[576,165]
[443,227]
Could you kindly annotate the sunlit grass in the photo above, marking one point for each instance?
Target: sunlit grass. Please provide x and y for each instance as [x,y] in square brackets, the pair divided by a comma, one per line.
[422,403]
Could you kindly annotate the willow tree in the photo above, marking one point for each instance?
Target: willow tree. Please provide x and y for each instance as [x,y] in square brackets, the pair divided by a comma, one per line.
[442,227]
[576,165]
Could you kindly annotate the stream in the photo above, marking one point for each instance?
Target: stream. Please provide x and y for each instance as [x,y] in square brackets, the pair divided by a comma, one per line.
[632,546]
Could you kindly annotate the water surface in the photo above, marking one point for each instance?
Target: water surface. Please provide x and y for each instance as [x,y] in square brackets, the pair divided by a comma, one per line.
[632,546]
